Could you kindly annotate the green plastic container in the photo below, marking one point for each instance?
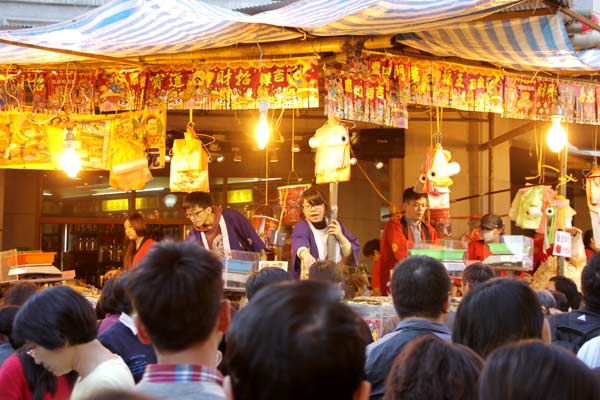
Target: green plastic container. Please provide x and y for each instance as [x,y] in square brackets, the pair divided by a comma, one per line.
[439,254]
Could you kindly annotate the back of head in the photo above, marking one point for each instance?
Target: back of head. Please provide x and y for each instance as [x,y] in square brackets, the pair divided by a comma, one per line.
[491,221]
[369,248]
[496,312]
[430,368]
[420,287]
[546,298]
[561,300]
[532,370]
[590,283]
[296,340]
[410,195]
[176,291]
[18,294]
[325,271]
[477,273]
[56,317]
[588,235]
[569,289]
[114,299]
[265,277]
[200,199]
[7,316]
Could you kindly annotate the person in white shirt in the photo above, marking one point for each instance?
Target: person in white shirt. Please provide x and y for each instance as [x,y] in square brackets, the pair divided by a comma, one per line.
[59,327]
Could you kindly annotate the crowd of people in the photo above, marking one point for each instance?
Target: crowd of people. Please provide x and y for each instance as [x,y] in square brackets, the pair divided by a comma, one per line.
[163,328]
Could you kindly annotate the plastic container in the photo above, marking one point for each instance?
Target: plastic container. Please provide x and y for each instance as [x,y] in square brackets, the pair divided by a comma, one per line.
[24,258]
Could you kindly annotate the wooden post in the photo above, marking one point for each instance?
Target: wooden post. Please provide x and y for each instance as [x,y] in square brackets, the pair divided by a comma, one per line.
[333,209]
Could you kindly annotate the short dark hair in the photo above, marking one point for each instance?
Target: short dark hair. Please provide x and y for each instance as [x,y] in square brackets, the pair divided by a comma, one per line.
[370,247]
[491,221]
[590,283]
[56,317]
[588,235]
[265,277]
[325,271]
[296,340]
[200,199]
[315,197]
[497,312]
[532,370]
[420,287]
[477,273]
[561,300]
[410,194]
[546,298]
[569,288]
[431,368]
[7,316]
[114,299]
[176,291]
[18,294]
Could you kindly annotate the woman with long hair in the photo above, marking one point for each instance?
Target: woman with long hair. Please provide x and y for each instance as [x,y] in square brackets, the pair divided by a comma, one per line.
[138,243]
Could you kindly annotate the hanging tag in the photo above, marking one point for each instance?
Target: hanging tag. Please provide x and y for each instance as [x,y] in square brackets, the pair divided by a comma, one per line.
[562,244]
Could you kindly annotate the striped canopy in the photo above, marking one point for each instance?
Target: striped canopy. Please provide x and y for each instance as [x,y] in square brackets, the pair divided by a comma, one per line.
[135,28]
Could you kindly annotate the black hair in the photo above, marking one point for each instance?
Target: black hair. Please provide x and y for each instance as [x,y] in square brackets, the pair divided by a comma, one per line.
[176,291]
[590,283]
[431,368]
[200,199]
[56,317]
[315,197]
[266,276]
[546,298]
[569,288]
[532,370]
[561,300]
[420,287]
[138,223]
[7,316]
[370,247]
[588,235]
[325,271]
[410,195]
[477,273]
[296,340]
[496,312]
[18,294]
[113,299]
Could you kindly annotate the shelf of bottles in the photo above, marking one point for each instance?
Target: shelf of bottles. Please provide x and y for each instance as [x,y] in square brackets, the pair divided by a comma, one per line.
[94,249]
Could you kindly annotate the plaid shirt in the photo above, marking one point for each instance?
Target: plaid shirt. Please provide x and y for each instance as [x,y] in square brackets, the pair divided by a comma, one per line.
[164,373]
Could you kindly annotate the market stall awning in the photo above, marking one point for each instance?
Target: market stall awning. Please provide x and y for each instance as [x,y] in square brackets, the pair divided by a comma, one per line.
[533,43]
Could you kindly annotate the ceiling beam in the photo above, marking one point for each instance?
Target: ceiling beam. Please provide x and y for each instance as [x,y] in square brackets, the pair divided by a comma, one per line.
[578,17]
[513,133]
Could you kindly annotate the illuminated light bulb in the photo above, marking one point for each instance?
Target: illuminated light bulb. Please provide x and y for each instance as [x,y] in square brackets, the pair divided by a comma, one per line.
[262,132]
[353,161]
[379,165]
[296,149]
[220,158]
[556,139]
[70,162]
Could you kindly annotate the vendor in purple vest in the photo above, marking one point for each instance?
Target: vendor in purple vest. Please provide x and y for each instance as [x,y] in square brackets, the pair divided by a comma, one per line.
[309,238]
[220,229]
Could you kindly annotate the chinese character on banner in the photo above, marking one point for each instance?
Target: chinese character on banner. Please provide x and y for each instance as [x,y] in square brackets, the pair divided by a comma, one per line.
[519,97]
[121,90]
[546,98]
[567,93]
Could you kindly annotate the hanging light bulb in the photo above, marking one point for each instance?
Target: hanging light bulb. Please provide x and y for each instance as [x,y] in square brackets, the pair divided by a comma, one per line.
[70,161]
[262,128]
[556,139]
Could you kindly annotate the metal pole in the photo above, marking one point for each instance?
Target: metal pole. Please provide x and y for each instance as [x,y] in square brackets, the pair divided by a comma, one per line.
[563,193]
[333,209]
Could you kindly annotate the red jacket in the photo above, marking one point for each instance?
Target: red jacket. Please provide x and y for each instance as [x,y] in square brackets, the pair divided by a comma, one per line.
[394,246]
[478,250]
[141,252]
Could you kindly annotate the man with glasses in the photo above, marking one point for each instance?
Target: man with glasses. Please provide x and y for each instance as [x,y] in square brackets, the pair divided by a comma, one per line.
[220,229]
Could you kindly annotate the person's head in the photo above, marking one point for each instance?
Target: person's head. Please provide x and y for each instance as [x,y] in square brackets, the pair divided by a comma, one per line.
[475,274]
[326,271]
[431,368]
[491,227]
[415,204]
[314,205]
[590,283]
[496,312]
[198,208]
[568,288]
[18,293]
[420,287]
[135,226]
[296,340]
[7,316]
[561,300]
[52,323]
[264,277]
[588,240]
[177,294]
[114,299]
[532,370]
[546,300]
[372,249]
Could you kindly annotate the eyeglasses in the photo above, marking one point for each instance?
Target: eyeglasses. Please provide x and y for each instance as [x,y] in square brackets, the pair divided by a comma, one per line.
[309,206]
[196,214]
